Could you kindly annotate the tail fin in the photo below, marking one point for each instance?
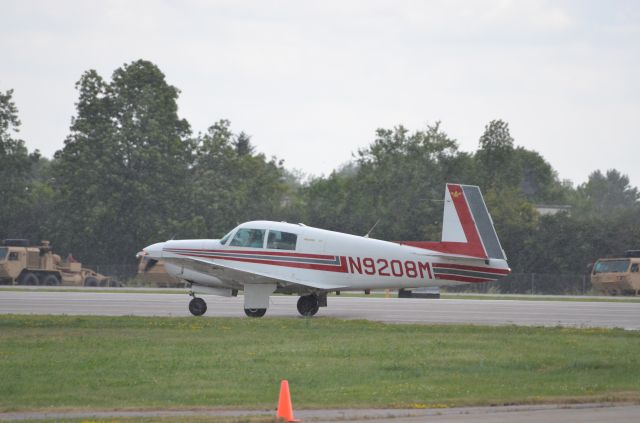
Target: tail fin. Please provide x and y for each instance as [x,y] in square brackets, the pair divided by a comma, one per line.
[467,228]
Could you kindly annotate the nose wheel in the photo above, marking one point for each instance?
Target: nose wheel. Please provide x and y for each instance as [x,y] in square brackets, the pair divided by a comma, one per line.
[197,306]
[255,312]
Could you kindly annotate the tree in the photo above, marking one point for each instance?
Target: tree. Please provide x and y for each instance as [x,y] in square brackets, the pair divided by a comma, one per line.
[9,121]
[232,184]
[243,145]
[608,193]
[538,181]
[15,172]
[496,166]
[515,219]
[121,176]
[399,180]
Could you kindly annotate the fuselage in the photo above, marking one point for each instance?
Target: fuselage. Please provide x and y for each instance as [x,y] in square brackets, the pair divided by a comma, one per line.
[307,259]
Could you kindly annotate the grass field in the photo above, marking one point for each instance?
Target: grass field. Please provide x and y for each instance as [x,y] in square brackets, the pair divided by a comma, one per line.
[63,362]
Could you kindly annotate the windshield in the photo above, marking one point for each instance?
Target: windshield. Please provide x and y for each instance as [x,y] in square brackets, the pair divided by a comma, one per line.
[611,266]
[226,237]
[3,253]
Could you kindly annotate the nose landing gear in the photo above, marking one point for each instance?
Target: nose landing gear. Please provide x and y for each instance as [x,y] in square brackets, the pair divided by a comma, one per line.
[255,312]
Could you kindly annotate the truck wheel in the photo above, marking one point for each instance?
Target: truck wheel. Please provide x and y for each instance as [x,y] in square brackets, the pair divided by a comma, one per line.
[28,279]
[51,280]
[90,281]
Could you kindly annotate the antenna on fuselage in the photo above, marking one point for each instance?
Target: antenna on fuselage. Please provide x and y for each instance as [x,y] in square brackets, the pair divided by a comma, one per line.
[372,228]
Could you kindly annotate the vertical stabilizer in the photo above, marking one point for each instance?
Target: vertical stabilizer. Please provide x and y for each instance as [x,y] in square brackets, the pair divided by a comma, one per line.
[467,220]
[467,228]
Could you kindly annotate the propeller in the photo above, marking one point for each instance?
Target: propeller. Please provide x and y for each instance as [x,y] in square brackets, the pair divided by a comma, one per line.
[150,264]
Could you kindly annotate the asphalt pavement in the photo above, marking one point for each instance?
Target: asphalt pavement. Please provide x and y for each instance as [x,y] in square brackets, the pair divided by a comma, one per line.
[613,314]
[587,413]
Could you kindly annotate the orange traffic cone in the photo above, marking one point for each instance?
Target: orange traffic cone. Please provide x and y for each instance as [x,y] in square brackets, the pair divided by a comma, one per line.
[285,409]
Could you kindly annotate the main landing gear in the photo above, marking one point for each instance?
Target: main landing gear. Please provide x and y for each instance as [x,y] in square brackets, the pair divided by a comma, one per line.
[308,305]
[197,306]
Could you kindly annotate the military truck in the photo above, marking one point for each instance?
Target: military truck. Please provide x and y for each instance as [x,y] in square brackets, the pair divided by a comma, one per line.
[22,264]
[152,272]
[617,276]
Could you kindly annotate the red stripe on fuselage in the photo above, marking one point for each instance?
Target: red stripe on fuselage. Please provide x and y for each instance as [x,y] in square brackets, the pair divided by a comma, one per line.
[474,268]
[460,278]
[258,251]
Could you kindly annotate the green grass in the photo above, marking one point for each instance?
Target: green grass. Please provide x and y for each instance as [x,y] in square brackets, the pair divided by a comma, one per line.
[64,362]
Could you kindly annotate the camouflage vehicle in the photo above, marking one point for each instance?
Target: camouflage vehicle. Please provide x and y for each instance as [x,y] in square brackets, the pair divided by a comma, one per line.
[152,272]
[22,264]
[617,276]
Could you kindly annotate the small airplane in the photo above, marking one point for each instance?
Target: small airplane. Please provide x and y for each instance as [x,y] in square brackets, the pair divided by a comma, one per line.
[263,257]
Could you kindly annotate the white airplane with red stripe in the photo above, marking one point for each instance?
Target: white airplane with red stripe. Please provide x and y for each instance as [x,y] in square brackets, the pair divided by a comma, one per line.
[263,257]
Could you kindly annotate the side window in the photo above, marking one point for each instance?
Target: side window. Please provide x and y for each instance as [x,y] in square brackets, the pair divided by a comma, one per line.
[13,255]
[253,238]
[281,240]
[634,267]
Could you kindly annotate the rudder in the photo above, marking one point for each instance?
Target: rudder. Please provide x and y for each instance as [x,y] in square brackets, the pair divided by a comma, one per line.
[467,221]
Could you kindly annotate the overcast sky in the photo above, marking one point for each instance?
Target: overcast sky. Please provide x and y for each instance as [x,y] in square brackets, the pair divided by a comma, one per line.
[310,81]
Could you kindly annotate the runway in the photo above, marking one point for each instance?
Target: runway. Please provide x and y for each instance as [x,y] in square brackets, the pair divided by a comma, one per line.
[392,310]
[574,413]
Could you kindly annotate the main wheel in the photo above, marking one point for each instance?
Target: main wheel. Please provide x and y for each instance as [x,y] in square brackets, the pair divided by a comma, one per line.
[197,307]
[308,305]
[255,312]
[51,280]
[90,281]
[28,279]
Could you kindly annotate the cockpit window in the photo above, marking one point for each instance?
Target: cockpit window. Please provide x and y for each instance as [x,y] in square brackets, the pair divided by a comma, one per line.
[281,240]
[245,237]
[226,237]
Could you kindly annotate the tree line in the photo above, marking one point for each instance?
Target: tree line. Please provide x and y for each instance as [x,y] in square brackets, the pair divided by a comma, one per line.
[133,172]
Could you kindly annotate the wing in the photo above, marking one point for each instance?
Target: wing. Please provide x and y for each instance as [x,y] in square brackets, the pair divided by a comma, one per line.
[226,272]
